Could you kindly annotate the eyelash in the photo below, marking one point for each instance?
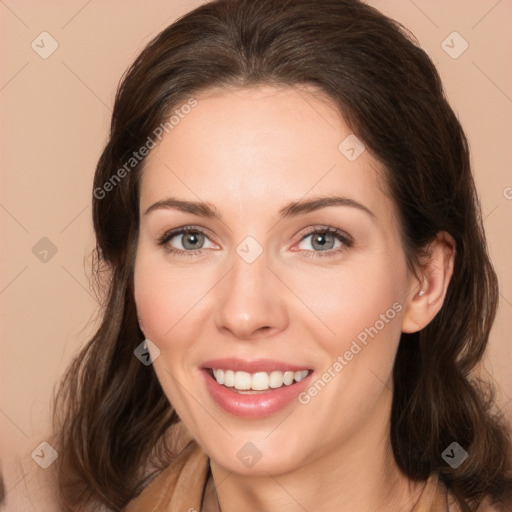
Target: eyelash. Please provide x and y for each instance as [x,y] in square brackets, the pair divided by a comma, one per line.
[345,239]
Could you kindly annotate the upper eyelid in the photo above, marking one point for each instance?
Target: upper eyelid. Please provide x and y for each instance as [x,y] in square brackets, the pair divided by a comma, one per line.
[336,232]
[185,229]
[171,233]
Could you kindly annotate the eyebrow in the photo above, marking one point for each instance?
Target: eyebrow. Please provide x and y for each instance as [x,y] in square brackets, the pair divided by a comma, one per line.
[293,209]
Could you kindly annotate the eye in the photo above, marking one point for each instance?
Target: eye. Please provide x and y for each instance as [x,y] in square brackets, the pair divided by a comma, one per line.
[190,240]
[186,241]
[326,240]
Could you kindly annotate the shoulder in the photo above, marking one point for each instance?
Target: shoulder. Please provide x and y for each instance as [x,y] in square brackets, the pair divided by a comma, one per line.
[179,486]
[440,499]
[485,506]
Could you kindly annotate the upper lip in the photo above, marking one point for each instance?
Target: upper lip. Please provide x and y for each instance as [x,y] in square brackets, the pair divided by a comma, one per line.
[258,365]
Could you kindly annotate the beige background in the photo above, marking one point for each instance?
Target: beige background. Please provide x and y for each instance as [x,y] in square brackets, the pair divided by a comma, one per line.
[55,114]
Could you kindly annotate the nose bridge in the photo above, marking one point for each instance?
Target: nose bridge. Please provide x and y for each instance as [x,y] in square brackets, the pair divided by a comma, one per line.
[247,300]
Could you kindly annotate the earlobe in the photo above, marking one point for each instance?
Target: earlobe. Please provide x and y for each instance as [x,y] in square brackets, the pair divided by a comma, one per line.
[415,313]
[427,296]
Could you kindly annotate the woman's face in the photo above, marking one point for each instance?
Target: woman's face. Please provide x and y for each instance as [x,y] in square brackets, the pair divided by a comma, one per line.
[253,292]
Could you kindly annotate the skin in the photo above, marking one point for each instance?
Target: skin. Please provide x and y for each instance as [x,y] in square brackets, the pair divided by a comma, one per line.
[249,152]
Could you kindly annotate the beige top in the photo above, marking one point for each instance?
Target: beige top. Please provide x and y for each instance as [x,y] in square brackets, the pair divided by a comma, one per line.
[182,485]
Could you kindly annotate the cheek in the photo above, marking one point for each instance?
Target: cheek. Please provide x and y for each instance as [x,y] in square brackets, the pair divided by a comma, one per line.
[164,295]
[350,299]
[174,303]
[360,311]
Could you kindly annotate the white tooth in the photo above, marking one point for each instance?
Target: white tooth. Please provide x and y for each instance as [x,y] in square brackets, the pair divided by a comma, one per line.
[229,378]
[242,380]
[276,379]
[219,375]
[288,377]
[300,375]
[260,381]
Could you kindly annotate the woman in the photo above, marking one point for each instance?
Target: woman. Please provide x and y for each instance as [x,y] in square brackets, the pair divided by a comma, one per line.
[299,283]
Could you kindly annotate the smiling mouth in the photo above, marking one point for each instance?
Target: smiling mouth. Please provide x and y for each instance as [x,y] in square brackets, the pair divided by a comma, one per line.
[258,382]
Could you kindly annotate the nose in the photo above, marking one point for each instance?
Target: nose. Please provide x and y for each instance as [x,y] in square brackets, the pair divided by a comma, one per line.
[250,301]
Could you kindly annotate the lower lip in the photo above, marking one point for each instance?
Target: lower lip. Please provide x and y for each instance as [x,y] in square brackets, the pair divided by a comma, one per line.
[255,405]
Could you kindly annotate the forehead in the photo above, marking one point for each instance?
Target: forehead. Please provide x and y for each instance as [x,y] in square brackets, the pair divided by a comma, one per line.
[256,146]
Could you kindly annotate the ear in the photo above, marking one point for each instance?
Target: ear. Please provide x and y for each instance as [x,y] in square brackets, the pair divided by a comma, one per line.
[427,293]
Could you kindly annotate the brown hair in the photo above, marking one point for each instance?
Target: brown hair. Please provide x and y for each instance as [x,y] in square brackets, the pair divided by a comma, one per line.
[111,415]
[2,489]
